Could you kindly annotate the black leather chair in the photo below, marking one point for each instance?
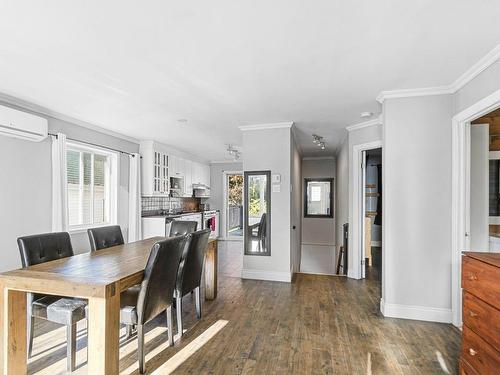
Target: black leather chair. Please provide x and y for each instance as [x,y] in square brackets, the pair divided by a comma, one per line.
[189,274]
[260,236]
[104,237]
[181,228]
[141,304]
[43,248]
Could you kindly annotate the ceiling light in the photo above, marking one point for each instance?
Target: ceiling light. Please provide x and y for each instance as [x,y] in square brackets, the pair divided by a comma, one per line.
[366,114]
[182,121]
[318,141]
[233,152]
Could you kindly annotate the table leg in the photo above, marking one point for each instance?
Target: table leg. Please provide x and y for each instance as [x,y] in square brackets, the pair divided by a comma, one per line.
[13,351]
[211,271]
[103,334]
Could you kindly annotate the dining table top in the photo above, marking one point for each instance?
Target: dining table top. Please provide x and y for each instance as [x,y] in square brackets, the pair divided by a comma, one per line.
[85,274]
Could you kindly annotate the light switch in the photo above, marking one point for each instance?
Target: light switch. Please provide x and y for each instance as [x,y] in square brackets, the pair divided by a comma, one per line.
[276,188]
[276,179]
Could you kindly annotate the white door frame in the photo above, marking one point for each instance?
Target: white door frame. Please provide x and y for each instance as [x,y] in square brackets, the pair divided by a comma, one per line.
[356,235]
[224,206]
[460,192]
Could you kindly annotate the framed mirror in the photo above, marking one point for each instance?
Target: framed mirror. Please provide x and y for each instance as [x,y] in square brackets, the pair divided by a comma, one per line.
[318,197]
[257,209]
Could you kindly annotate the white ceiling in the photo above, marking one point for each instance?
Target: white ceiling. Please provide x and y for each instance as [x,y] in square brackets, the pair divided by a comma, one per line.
[137,67]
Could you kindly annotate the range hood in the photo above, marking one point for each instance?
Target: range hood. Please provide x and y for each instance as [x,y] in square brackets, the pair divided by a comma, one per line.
[200,187]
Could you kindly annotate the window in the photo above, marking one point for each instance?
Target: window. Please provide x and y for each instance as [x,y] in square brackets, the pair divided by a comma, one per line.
[91,186]
[318,197]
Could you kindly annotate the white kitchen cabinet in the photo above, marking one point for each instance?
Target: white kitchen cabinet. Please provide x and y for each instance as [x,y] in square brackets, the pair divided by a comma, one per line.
[188,178]
[176,166]
[153,227]
[154,165]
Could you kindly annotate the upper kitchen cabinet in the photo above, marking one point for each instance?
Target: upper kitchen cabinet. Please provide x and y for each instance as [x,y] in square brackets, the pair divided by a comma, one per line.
[176,166]
[201,174]
[188,178]
[154,165]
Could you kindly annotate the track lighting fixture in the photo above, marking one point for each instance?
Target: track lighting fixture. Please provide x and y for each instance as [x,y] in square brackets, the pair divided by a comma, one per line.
[318,141]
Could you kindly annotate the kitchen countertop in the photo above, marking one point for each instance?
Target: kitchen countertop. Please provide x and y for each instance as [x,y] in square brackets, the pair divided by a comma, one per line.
[157,214]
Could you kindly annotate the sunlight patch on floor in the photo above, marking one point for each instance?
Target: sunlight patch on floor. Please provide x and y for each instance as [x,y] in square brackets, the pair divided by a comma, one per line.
[441,361]
[180,357]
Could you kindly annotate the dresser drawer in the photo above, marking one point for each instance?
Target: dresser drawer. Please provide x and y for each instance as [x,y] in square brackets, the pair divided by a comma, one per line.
[482,318]
[480,355]
[482,280]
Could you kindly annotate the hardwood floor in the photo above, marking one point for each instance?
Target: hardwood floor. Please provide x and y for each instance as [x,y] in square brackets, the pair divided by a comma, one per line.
[317,325]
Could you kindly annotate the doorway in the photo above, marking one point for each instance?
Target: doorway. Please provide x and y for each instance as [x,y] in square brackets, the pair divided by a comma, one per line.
[371,214]
[461,191]
[233,206]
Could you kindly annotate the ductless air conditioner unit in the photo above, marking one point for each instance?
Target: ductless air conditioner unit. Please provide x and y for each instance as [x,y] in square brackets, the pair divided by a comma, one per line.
[18,124]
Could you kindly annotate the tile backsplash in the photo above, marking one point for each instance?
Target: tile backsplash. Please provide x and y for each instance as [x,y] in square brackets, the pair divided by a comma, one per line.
[169,203]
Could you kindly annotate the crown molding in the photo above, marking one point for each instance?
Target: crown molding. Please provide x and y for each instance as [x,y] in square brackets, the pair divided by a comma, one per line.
[276,125]
[486,61]
[318,158]
[361,125]
[408,93]
[225,161]
[37,109]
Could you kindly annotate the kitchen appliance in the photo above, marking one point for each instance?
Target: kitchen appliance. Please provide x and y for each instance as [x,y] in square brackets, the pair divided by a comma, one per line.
[201,190]
[211,221]
[204,206]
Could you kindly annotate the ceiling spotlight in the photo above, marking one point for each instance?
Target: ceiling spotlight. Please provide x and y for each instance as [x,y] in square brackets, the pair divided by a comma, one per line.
[366,114]
[318,141]
[233,152]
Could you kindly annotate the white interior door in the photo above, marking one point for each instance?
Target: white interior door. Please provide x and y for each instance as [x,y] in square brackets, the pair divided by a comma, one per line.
[363,214]
[479,188]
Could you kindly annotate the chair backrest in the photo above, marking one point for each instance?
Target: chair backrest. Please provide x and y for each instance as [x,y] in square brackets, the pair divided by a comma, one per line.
[261,231]
[104,237]
[158,283]
[181,228]
[41,248]
[189,274]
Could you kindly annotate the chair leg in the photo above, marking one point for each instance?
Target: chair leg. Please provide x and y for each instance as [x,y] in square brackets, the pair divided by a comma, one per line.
[170,326]
[197,301]
[71,347]
[128,331]
[140,348]
[178,308]
[31,329]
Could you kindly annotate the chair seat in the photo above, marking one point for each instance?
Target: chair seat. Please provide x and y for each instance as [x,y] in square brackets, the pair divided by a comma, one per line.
[59,309]
[128,305]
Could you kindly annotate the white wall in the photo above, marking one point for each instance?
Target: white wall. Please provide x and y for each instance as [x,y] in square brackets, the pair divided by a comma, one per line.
[318,234]
[357,137]
[417,207]
[295,207]
[26,187]
[216,184]
[479,187]
[269,149]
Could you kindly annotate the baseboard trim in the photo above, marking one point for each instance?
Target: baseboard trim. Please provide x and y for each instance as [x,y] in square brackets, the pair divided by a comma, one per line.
[266,275]
[428,314]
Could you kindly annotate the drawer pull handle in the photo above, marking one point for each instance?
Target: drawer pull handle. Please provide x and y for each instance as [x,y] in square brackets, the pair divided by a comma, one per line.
[472,277]
[472,314]
[472,352]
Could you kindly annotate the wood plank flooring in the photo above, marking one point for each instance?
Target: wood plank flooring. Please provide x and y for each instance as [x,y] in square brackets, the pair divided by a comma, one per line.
[317,325]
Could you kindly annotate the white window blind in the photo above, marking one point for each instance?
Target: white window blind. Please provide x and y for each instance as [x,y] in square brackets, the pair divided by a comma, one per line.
[90,190]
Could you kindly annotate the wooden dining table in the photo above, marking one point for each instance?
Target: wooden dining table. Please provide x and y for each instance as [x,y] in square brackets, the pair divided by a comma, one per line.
[98,277]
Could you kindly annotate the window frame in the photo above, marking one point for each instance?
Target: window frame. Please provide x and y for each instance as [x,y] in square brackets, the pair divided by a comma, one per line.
[113,185]
[322,179]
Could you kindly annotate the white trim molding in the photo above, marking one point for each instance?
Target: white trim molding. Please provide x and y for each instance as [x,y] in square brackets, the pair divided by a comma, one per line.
[276,125]
[428,314]
[318,158]
[486,61]
[225,161]
[460,191]
[365,124]
[267,275]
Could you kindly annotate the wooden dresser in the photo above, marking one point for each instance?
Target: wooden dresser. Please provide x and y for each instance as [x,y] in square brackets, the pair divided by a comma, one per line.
[481,314]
